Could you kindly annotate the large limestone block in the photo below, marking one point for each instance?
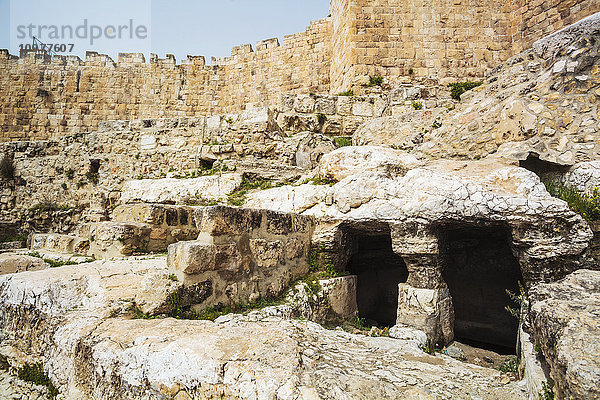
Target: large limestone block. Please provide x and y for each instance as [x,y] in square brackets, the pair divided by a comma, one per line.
[54,242]
[429,310]
[11,263]
[196,257]
[346,161]
[341,294]
[116,239]
[565,318]
[171,190]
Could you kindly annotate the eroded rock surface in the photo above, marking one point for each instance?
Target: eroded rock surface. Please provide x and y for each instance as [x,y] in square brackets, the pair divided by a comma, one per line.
[89,352]
[565,319]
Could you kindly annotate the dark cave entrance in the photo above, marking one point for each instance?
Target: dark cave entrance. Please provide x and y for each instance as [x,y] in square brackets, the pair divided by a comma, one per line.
[542,168]
[379,271]
[479,267]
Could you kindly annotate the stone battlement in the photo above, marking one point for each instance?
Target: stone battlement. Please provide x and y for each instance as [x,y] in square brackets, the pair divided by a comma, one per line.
[43,97]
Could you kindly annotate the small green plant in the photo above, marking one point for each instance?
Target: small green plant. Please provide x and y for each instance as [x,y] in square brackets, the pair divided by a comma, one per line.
[341,141]
[510,366]
[429,349]
[458,88]
[70,173]
[375,80]
[519,299]
[81,183]
[436,124]
[347,93]
[137,313]
[137,156]
[34,373]
[173,277]
[321,118]
[417,105]
[588,206]
[229,120]
[547,392]
[93,177]
[238,197]
[199,201]
[7,168]
[359,323]
[320,180]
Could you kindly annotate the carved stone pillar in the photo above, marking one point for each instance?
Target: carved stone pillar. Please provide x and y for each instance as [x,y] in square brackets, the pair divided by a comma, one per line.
[424,301]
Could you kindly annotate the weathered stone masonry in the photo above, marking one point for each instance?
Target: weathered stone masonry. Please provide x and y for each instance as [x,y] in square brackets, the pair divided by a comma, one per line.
[401,40]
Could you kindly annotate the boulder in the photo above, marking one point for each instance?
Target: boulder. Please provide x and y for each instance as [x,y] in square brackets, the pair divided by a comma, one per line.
[11,263]
[564,317]
[350,160]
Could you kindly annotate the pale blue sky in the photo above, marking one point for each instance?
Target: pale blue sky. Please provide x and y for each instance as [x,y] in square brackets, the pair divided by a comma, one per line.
[181,27]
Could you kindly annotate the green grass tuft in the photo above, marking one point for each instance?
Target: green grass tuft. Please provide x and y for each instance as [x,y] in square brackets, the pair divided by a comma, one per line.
[34,373]
[588,206]
[458,88]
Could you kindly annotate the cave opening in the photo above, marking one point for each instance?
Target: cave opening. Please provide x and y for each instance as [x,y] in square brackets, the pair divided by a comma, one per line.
[542,168]
[479,268]
[379,271]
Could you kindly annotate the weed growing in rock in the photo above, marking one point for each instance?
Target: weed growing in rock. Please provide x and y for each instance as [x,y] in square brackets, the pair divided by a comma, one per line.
[49,206]
[320,180]
[93,177]
[238,197]
[199,201]
[56,263]
[137,313]
[547,393]
[417,105]
[341,141]
[520,300]
[375,81]
[34,373]
[321,118]
[173,277]
[7,168]
[458,88]
[588,206]
[347,93]
[212,313]
[510,366]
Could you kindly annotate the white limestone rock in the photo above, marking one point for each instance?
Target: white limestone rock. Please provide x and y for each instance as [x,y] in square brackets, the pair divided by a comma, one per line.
[171,190]
[350,160]
[564,318]
[81,342]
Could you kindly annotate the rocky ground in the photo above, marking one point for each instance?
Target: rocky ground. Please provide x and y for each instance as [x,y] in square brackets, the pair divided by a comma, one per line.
[91,350]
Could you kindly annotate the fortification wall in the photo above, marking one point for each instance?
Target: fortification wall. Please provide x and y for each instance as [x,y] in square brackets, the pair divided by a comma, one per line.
[42,98]
[402,40]
[531,20]
[409,38]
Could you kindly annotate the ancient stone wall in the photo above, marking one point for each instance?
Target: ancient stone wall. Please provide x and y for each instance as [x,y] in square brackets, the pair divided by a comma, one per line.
[417,39]
[42,98]
[404,41]
[532,20]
